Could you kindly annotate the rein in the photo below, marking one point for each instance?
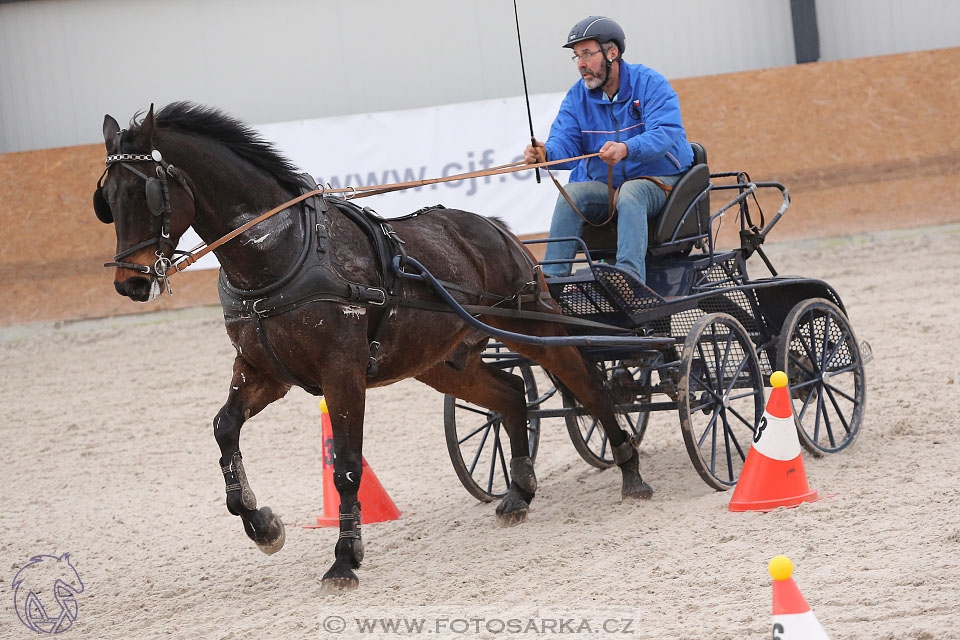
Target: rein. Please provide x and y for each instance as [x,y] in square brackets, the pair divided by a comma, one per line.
[611,194]
[190,257]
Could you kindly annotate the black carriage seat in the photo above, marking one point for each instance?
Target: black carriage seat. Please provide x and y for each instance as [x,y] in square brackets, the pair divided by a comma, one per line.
[670,232]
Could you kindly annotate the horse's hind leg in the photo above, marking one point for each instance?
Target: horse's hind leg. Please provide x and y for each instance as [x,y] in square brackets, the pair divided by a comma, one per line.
[584,382]
[495,389]
[250,392]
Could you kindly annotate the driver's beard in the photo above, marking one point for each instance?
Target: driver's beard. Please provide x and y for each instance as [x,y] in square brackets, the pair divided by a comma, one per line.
[592,81]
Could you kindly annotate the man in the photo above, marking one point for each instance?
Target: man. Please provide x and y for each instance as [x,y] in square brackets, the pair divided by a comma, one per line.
[631,115]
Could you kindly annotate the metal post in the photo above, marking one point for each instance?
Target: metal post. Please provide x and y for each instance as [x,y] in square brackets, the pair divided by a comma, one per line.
[806,36]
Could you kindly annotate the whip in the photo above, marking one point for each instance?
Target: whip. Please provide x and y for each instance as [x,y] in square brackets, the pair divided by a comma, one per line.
[526,95]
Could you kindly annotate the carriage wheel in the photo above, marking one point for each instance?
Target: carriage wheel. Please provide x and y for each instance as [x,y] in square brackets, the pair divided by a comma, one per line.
[719,397]
[821,357]
[626,384]
[479,446]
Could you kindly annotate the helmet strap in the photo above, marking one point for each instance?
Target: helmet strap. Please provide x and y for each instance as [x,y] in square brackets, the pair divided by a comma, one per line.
[606,75]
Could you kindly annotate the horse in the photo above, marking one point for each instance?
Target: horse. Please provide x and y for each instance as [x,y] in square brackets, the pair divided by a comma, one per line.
[363,329]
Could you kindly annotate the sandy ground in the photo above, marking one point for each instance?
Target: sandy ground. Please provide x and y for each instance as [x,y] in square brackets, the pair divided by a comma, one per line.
[108,454]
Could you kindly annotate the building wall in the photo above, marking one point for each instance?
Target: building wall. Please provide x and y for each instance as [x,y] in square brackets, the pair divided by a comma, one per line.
[64,63]
[859,28]
[813,127]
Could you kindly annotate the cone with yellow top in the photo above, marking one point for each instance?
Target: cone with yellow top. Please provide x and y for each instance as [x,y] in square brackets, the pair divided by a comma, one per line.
[793,618]
[376,505]
[773,474]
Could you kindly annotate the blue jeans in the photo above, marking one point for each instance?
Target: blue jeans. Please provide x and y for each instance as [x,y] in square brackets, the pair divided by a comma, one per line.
[638,202]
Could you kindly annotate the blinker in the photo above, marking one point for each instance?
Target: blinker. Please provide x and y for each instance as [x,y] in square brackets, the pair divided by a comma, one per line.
[101,207]
[155,200]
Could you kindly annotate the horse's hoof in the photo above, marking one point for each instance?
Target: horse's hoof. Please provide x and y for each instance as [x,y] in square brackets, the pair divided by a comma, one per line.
[636,491]
[266,529]
[512,519]
[512,510]
[339,583]
[270,547]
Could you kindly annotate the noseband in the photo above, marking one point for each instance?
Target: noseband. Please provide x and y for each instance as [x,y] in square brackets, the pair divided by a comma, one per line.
[157,192]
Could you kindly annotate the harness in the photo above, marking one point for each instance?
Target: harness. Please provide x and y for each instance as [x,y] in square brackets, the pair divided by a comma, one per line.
[314,278]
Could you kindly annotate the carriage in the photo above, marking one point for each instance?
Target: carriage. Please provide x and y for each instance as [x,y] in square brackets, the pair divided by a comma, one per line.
[324,306]
[707,338]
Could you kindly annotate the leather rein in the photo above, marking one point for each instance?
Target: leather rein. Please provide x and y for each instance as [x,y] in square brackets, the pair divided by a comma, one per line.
[164,268]
[350,193]
[612,194]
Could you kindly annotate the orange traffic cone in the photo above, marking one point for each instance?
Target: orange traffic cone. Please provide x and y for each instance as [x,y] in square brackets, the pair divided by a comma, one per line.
[376,504]
[773,474]
[792,617]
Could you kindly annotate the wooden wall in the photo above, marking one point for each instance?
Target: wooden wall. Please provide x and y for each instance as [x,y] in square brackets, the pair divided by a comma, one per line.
[863,144]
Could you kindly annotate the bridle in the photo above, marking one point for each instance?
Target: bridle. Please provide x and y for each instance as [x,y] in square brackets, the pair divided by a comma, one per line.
[157,191]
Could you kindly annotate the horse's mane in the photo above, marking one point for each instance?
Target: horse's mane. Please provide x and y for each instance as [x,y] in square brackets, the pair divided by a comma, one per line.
[239,137]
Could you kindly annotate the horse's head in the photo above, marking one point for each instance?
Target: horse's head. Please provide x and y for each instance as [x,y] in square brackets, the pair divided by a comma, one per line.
[149,211]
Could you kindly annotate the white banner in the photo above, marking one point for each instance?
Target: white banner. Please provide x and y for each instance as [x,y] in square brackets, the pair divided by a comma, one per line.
[404,146]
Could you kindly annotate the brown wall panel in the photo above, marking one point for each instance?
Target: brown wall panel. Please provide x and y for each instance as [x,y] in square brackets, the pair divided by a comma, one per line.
[862,144]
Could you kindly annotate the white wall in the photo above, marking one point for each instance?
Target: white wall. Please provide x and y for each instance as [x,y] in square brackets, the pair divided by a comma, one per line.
[859,28]
[64,63]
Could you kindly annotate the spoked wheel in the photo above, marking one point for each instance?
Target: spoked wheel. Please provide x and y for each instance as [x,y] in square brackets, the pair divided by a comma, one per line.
[719,397]
[626,384]
[821,357]
[478,444]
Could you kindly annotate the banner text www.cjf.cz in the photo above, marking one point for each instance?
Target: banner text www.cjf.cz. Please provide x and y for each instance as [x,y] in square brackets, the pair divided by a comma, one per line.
[474,162]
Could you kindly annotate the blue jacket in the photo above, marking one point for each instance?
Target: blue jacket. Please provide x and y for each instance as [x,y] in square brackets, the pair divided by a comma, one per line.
[645,116]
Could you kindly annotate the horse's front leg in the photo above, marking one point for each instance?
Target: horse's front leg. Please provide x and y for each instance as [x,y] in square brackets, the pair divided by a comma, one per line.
[346,395]
[250,391]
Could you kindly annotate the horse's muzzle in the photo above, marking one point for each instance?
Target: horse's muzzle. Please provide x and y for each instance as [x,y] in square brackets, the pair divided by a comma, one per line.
[139,288]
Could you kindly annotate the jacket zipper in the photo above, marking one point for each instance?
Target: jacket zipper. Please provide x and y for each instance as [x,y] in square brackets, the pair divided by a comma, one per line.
[616,128]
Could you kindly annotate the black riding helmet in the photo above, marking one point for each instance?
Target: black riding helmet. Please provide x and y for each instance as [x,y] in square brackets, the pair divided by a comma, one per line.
[599,28]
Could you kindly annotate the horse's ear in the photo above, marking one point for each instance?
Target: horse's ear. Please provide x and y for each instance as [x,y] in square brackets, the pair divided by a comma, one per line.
[110,130]
[147,127]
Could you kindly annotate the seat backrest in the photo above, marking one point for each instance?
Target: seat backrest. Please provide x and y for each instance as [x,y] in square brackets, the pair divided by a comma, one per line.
[699,153]
[671,222]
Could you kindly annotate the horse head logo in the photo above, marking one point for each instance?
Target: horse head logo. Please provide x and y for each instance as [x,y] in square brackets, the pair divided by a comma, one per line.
[45,593]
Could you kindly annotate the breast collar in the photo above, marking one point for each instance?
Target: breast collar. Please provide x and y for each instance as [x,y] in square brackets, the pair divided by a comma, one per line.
[314,277]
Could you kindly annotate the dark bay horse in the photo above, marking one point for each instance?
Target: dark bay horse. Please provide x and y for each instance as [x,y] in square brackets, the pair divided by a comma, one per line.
[223,175]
